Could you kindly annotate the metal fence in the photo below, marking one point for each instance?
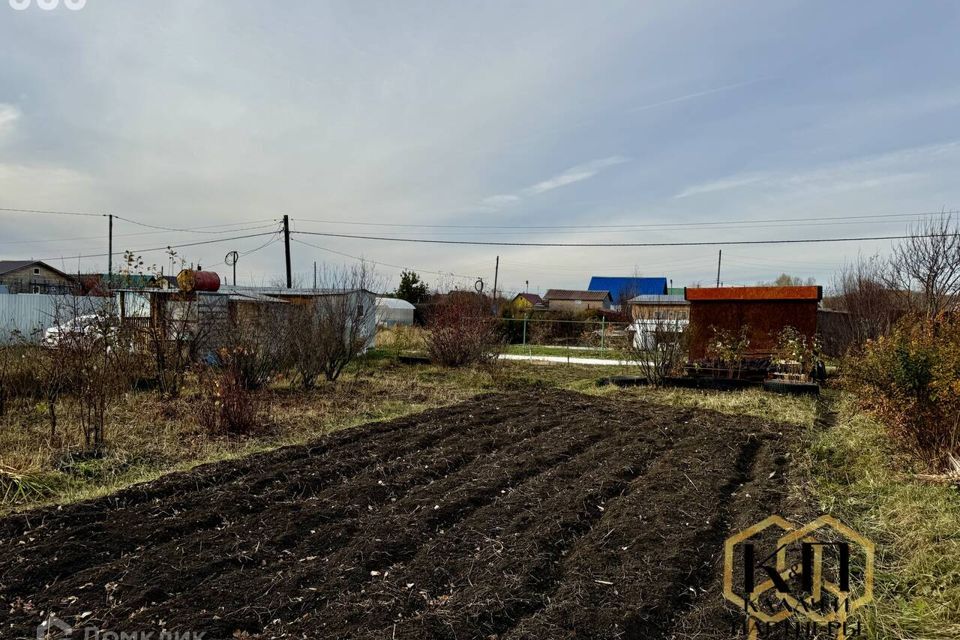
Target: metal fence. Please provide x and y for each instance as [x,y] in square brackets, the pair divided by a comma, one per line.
[27,315]
[548,336]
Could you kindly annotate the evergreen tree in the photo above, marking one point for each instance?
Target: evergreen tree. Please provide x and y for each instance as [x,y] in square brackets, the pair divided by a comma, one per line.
[411,288]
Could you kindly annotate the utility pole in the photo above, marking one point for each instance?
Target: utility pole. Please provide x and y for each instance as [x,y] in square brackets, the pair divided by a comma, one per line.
[314,275]
[496,272]
[719,257]
[110,252]
[286,248]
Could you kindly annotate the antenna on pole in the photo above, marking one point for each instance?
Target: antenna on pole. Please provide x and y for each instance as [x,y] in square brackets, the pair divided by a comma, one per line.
[231,261]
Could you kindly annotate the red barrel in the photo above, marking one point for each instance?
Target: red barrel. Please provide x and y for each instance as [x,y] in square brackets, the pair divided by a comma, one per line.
[192,280]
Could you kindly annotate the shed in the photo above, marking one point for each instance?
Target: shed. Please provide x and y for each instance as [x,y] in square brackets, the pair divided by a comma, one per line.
[525,302]
[394,311]
[623,288]
[572,300]
[765,311]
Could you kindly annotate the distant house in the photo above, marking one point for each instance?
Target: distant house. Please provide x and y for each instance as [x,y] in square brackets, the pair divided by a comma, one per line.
[622,289]
[34,276]
[764,311]
[525,302]
[570,300]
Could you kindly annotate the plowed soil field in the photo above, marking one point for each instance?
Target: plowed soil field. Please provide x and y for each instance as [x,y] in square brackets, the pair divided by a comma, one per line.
[523,515]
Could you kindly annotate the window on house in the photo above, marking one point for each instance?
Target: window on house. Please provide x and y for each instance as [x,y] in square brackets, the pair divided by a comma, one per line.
[36,288]
[36,271]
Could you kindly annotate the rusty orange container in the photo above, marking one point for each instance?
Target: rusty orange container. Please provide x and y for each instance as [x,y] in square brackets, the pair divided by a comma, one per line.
[191,280]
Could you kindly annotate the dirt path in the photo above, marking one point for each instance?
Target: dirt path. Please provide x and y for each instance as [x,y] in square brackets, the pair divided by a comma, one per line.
[525,515]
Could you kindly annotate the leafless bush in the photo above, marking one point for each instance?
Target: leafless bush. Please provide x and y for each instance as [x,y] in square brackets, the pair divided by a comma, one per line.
[91,357]
[659,347]
[462,330]
[172,341]
[329,331]
[227,406]
[259,343]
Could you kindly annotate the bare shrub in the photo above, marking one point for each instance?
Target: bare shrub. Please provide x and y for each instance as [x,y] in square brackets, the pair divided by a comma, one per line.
[227,406]
[727,350]
[332,329]
[794,354]
[95,355]
[462,330]
[659,347]
[259,343]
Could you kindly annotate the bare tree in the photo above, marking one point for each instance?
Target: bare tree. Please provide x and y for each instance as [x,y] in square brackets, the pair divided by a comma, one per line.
[924,269]
[861,290]
[330,330]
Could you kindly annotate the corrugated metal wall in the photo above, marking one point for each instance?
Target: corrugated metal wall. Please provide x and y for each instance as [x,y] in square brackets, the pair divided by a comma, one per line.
[29,314]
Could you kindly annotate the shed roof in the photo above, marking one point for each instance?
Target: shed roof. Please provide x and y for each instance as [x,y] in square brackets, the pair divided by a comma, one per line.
[571,294]
[755,294]
[668,299]
[628,286]
[394,303]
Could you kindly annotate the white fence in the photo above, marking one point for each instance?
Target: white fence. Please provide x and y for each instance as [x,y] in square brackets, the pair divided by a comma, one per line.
[29,314]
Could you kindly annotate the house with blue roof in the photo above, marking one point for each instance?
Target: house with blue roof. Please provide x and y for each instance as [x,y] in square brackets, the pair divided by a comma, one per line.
[622,289]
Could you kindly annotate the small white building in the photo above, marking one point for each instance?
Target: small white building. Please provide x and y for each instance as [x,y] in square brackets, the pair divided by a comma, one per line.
[394,311]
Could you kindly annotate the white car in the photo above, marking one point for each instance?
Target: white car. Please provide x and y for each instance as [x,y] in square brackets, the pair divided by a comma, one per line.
[90,325]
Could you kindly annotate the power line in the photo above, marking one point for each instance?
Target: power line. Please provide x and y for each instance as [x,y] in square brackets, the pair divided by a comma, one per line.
[55,213]
[169,246]
[385,264]
[624,226]
[131,235]
[710,243]
[203,229]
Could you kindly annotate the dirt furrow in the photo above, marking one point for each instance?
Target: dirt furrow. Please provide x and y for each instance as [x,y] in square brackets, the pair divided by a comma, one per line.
[540,514]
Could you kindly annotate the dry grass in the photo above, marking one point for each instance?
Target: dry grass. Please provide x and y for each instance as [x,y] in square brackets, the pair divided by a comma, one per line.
[148,437]
[857,476]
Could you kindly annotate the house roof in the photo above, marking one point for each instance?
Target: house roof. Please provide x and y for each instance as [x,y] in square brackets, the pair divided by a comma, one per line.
[6,266]
[628,287]
[532,298]
[659,300]
[570,294]
[723,294]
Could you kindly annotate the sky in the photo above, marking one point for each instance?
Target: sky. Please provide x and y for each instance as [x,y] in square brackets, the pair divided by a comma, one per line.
[604,122]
